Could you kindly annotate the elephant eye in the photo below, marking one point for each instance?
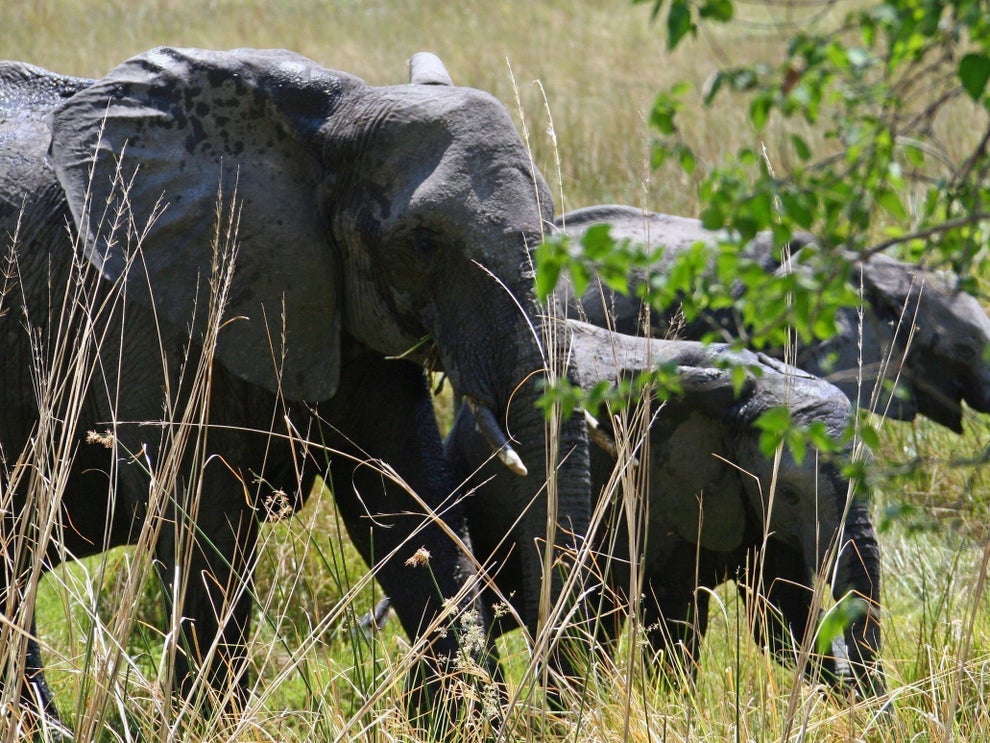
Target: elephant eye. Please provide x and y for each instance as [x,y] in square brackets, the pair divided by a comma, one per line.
[965,351]
[789,495]
[422,245]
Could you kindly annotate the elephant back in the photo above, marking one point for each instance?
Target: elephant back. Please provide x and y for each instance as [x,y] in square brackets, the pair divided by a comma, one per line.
[33,211]
[28,95]
[31,92]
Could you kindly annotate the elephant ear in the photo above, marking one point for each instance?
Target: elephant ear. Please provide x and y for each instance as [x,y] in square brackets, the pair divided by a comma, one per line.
[175,129]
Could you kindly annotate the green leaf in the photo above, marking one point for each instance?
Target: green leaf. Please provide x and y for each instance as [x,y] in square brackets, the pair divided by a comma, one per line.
[974,71]
[796,208]
[819,437]
[869,436]
[687,160]
[801,148]
[834,623]
[679,23]
[658,155]
[546,280]
[739,375]
[717,10]
[799,446]
[759,111]
[664,110]
[892,203]
[712,217]
[580,277]
[774,425]
[549,260]
[712,87]
[597,241]
[761,208]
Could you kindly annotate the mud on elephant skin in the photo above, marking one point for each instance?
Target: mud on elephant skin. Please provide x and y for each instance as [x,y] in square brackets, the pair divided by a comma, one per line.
[712,507]
[941,364]
[372,223]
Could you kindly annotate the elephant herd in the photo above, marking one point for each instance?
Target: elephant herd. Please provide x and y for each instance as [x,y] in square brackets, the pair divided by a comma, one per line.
[240,266]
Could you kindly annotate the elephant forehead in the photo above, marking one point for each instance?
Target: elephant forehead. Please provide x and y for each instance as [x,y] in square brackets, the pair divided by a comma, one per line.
[957,320]
[784,494]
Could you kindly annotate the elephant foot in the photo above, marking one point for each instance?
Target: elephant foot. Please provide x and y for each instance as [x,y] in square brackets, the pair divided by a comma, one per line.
[445,703]
[449,693]
[35,717]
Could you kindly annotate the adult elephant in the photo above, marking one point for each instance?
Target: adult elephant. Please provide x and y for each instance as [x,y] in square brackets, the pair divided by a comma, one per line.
[920,348]
[375,230]
[710,507]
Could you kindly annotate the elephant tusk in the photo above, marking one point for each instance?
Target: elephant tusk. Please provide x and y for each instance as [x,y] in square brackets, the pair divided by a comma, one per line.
[484,419]
[599,436]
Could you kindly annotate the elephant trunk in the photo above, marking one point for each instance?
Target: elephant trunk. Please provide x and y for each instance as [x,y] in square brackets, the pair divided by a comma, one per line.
[858,574]
[555,497]
[547,480]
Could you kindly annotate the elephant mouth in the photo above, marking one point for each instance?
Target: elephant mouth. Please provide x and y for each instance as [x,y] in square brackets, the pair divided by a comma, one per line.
[488,426]
[496,438]
[427,353]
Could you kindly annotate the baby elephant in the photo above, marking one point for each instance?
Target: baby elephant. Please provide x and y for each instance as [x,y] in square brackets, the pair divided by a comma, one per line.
[716,508]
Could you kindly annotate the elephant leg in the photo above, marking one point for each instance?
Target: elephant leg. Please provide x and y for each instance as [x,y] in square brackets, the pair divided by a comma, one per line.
[36,699]
[608,601]
[205,560]
[89,524]
[608,606]
[36,691]
[384,414]
[782,610]
[37,704]
[675,608]
[858,574]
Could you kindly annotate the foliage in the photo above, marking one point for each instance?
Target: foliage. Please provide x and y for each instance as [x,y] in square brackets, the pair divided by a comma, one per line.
[875,86]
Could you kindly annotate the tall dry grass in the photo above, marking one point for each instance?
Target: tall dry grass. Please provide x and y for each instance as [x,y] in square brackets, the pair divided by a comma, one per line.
[599,65]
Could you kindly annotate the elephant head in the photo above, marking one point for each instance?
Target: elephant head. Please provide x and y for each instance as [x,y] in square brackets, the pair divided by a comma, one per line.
[370,223]
[942,363]
[396,216]
[716,507]
[922,332]
[710,485]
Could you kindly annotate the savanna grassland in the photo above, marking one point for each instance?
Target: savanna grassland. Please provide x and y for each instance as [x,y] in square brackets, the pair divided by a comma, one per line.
[580,78]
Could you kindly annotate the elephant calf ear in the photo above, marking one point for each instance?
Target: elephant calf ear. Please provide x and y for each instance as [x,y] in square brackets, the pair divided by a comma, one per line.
[145,154]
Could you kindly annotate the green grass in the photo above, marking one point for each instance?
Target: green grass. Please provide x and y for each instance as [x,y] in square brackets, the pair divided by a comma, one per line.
[598,66]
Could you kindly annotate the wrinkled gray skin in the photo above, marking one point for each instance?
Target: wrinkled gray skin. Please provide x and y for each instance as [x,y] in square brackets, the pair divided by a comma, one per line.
[707,500]
[371,218]
[943,365]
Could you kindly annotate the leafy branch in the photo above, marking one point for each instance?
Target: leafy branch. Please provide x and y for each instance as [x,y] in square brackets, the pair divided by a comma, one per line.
[876,176]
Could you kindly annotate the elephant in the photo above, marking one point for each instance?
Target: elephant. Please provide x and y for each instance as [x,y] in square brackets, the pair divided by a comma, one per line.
[932,368]
[316,245]
[712,507]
